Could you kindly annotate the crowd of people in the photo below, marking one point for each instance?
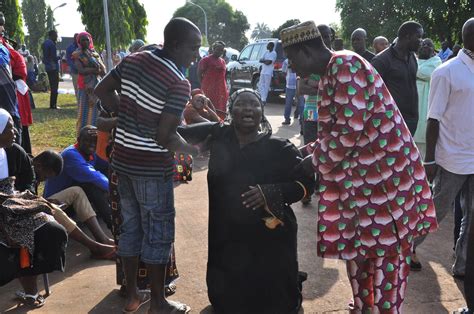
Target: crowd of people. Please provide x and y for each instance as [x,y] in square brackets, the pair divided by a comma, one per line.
[362,114]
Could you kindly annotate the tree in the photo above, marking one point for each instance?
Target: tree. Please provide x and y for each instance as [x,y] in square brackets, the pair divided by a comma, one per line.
[127,19]
[441,19]
[34,13]
[260,31]
[276,32]
[224,23]
[138,18]
[14,23]
[50,19]
[337,29]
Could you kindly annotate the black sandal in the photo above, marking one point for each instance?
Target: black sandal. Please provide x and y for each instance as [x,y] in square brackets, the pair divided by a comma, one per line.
[33,301]
[170,289]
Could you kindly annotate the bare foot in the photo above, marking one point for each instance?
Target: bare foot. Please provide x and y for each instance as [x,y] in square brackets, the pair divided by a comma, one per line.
[134,302]
[103,251]
[170,307]
[108,241]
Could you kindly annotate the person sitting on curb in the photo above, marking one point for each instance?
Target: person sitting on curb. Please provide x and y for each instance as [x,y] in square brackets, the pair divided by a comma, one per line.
[83,168]
[200,109]
[49,164]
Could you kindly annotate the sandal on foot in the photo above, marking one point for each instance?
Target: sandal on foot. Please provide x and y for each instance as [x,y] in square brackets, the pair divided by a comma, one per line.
[33,301]
[144,298]
[170,289]
[415,266]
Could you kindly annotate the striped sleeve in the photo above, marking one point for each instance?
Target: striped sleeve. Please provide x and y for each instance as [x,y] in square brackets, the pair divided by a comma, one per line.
[117,71]
[177,97]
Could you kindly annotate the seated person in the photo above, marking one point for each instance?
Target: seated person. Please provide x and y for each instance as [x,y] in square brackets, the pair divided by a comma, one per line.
[199,109]
[252,228]
[83,168]
[24,256]
[49,164]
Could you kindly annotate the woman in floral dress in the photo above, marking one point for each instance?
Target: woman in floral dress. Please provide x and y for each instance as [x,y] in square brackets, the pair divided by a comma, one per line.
[90,68]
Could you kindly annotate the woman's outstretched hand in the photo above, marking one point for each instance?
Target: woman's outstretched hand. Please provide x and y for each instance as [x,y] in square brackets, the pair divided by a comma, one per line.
[253,198]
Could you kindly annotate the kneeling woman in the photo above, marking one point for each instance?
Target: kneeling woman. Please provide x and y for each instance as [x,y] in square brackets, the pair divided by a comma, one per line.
[252,266]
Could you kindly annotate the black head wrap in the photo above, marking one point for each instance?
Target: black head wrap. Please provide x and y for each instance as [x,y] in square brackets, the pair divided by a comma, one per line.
[264,124]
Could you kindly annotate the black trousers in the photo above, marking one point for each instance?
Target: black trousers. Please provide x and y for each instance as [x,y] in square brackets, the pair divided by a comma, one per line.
[53,77]
[49,255]
[412,125]
[100,202]
[310,131]
[469,274]
[25,140]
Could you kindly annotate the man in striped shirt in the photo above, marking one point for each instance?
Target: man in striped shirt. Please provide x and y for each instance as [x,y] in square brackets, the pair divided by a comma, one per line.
[153,95]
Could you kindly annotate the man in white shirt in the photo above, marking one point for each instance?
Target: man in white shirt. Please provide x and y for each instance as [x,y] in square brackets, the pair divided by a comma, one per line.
[266,73]
[449,159]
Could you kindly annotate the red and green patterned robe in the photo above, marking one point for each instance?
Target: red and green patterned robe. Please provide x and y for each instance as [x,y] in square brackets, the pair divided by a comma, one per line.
[374,196]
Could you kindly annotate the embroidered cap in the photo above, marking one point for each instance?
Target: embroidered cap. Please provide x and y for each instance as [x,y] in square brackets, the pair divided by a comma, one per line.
[299,33]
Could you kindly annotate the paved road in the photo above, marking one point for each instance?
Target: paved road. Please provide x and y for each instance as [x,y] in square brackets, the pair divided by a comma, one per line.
[88,286]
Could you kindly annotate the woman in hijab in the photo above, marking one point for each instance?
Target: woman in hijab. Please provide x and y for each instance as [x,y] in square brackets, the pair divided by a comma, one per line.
[252,266]
[136,45]
[90,68]
[31,243]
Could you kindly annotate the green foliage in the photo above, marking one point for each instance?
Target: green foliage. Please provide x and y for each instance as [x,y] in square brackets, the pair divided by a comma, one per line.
[138,18]
[337,28]
[127,19]
[260,31]
[50,19]
[53,129]
[441,19]
[224,23]
[288,23]
[14,23]
[34,13]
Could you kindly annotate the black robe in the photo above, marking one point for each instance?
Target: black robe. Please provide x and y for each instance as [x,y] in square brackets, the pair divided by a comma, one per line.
[251,268]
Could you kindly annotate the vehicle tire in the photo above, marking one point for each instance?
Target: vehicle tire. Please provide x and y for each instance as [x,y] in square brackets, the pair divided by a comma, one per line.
[255,82]
[230,89]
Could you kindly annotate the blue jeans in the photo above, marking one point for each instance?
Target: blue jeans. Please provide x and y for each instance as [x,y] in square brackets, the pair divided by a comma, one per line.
[147,207]
[289,97]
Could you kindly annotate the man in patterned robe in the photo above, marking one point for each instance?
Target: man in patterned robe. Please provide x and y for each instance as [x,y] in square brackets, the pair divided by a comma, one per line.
[374,197]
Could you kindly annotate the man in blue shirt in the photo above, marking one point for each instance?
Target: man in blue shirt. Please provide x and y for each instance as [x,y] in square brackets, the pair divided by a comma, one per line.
[83,168]
[72,66]
[50,60]
[445,52]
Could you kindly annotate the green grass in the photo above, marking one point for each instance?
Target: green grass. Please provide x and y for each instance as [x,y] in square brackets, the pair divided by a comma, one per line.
[53,129]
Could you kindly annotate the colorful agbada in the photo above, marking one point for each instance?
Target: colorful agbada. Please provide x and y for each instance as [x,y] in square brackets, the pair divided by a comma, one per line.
[89,58]
[213,83]
[374,197]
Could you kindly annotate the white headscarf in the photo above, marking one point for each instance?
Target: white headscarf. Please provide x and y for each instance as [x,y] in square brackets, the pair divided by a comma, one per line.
[4,117]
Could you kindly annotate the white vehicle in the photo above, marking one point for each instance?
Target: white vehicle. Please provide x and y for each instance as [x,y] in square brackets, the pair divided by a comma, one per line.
[204,51]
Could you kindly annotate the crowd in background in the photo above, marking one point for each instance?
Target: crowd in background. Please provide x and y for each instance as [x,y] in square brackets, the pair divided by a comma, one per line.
[364,115]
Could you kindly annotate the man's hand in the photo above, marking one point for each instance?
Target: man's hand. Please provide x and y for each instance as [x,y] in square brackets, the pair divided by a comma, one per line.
[308,86]
[431,172]
[253,198]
